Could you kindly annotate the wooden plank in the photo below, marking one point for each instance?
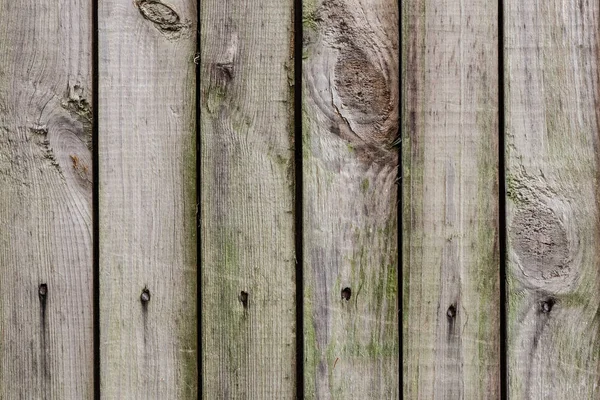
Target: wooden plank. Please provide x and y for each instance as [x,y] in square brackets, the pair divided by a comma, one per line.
[147,199]
[553,165]
[46,318]
[451,307]
[247,200]
[350,119]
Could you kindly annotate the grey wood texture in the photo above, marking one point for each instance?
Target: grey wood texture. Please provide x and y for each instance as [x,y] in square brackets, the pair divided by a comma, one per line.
[147,199]
[451,268]
[553,220]
[349,121]
[247,200]
[46,319]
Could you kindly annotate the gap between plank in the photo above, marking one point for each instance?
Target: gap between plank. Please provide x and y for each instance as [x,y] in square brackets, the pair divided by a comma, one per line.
[197,61]
[502,204]
[298,203]
[95,204]
[399,206]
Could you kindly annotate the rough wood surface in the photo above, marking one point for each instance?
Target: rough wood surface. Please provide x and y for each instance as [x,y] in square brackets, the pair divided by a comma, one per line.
[46,319]
[553,165]
[247,200]
[451,318]
[147,199]
[350,119]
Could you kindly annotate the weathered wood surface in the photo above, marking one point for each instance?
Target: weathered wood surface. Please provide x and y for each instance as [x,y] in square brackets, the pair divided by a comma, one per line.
[451,317]
[147,199]
[552,123]
[350,119]
[247,200]
[46,319]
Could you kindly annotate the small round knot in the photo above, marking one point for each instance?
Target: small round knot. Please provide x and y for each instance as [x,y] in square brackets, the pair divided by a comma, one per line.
[43,290]
[546,305]
[145,296]
[346,293]
[243,297]
[451,313]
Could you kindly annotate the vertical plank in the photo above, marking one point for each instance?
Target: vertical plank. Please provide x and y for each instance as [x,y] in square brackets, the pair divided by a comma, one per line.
[350,119]
[552,122]
[451,319]
[147,199]
[247,200]
[46,318]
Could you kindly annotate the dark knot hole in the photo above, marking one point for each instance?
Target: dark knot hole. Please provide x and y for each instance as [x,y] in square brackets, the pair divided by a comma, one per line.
[346,293]
[145,296]
[244,298]
[451,313]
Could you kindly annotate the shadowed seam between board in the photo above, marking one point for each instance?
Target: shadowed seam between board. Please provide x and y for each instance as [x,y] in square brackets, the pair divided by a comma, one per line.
[298,197]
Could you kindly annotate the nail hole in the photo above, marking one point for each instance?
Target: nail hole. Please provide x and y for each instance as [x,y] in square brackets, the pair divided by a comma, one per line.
[346,293]
[244,298]
[145,297]
[451,313]
[546,305]
[43,293]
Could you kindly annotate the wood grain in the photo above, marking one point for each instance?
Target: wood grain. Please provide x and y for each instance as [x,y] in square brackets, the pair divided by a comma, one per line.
[552,122]
[147,199]
[451,307]
[46,338]
[247,200]
[350,119]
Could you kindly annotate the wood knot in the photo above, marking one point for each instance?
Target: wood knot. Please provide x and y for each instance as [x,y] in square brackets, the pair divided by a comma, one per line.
[224,72]
[547,305]
[346,293]
[361,85]
[145,296]
[221,75]
[43,292]
[38,129]
[451,312]
[164,17]
[243,297]
[366,116]
[540,241]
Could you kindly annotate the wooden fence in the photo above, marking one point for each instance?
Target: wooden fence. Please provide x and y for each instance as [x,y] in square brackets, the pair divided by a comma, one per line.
[269,199]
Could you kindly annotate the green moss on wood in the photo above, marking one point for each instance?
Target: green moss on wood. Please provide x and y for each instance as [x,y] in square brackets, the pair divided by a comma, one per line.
[311,350]
[214,98]
[514,190]
[309,15]
[186,322]
[364,186]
